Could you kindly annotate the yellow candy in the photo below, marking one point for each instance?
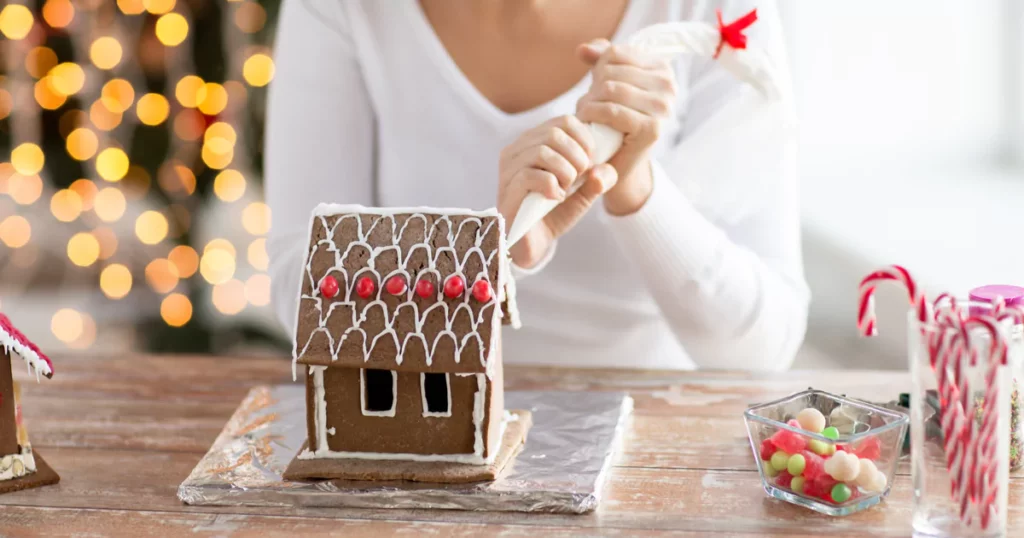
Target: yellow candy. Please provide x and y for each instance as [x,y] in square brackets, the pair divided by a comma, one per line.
[769,471]
[811,420]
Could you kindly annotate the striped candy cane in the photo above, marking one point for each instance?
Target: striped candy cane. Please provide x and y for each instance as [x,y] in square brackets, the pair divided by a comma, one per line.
[866,319]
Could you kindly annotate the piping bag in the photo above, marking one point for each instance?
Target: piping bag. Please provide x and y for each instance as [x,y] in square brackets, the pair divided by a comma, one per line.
[726,43]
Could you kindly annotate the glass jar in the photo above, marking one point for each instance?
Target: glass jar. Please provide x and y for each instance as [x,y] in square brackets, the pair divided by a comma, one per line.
[942,508]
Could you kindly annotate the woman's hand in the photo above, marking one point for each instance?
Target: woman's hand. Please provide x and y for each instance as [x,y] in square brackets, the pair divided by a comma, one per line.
[548,159]
[631,93]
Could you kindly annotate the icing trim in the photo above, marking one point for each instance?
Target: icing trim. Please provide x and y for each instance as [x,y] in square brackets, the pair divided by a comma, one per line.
[17,465]
[423,396]
[11,339]
[453,458]
[394,395]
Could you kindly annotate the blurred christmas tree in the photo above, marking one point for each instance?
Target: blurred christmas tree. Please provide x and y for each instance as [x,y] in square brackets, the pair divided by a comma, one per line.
[131,195]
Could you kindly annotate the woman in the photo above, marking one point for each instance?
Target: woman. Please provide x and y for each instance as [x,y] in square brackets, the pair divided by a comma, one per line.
[683,251]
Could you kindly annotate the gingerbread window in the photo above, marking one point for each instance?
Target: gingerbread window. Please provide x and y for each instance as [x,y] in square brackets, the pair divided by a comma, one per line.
[437,395]
[378,392]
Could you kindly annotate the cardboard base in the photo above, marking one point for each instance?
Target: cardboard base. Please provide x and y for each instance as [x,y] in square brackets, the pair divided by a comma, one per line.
[44,476]
[416,471]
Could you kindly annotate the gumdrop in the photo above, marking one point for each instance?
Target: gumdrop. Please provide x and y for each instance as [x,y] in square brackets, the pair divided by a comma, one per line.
[824,484]
[870,448]
[814,465]
[811,489]
[791,442]
[784,479]
[767,449]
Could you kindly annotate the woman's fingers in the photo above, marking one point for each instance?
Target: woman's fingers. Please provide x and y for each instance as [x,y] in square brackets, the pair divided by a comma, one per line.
[622,118]
[655,80]
[654,104]
[597,181]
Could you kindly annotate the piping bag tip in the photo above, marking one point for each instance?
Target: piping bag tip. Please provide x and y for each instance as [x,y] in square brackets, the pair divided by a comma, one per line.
[535,206]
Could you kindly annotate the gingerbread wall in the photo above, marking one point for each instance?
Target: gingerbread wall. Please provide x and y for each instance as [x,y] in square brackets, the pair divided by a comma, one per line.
[408,431]
[8,426]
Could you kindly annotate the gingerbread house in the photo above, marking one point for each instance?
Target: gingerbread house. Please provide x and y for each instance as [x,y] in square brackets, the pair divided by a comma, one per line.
[399,332]
[20,468]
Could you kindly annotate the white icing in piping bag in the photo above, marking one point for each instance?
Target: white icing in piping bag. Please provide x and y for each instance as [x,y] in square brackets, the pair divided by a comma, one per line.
[666,41]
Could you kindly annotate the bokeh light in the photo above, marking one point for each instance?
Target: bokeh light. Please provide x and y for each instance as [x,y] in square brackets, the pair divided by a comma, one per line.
[82,144]
[190,91]
[88,334]
[151,227]
[220,244]
[258,70]
[24,190]
[115,281]
[86,190]
[6,102]
[131,7]
[66,79]
[215,99]
[39,61]
[257,290]
[171,29]
[58,13]
[257,254]
[46,96]
[221,131]
[176,178]
[176,310]
[109,204]
[16,21]
[256,218]
[108,241]
[250,17]
[112,164]
[188,125]
[217,156]
[185,259]
[229,297]
[217,266]
[229,185]
[27,159]
[161,275]
[83,249]
[66,325]
[104,116]
[153,109]
[105,52]
[15,231]
[66,205]
[158,7]
[118,95]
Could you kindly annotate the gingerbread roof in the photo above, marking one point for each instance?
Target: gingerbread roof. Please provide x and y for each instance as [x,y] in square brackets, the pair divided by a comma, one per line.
[12,340]
[420,289]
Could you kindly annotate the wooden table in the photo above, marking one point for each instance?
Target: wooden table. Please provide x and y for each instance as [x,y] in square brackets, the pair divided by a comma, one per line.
[124,432]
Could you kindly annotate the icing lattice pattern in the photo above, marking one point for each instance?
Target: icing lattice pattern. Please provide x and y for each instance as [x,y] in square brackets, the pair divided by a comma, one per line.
[352,243]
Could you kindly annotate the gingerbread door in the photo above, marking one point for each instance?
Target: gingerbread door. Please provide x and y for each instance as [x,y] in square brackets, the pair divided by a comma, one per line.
[8,425]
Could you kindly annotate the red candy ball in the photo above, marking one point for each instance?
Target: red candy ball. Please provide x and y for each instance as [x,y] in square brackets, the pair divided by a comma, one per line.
[814,465]
[395,285]
[482,291]
[365,287]
[767,449]
[791,442]
[870,448]
[784,479]
[329,287]
[425,289]
[454,286]
[823,486]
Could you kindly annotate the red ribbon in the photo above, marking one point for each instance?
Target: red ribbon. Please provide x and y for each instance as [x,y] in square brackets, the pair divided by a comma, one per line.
[732,33]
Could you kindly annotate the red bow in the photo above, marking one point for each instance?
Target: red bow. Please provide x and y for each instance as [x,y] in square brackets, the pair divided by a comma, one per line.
[732,33]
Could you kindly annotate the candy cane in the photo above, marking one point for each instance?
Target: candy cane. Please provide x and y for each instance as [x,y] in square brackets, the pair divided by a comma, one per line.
[866,319]
[951,411]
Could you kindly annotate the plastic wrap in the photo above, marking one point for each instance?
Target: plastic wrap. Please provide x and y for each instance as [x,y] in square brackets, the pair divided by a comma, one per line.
[562,468]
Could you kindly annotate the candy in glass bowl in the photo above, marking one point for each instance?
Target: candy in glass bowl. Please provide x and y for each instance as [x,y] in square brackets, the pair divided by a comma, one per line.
[832,454]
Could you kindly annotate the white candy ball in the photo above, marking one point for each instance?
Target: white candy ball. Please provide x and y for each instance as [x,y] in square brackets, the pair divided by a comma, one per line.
[844,467]
[811,420]
[867,474]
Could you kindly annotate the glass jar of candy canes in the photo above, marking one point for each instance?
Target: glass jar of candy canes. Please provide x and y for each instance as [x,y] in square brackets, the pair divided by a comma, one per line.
[959,465]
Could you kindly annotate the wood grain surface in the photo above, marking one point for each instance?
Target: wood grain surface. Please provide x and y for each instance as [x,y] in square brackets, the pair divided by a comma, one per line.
[124,432]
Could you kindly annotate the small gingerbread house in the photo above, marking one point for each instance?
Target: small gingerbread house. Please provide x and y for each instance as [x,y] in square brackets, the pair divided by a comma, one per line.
[20,468]
[399,329]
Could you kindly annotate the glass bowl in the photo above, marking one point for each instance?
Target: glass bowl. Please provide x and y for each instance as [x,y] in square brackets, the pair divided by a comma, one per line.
[846,468]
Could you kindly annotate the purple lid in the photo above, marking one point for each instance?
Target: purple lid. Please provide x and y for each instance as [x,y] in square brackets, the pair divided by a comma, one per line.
[1012,295]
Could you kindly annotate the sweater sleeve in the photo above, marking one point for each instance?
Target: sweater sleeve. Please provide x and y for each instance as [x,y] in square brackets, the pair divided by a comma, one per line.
[718,242]
[320,136]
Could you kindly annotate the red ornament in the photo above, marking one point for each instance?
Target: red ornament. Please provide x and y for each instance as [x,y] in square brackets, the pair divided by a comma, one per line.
[482,291]
[425,289]
[395,285]
[454,286]
[329,287]
[365,287]
[732,33]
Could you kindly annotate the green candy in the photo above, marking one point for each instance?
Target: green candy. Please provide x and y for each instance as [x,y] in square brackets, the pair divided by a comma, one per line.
[796,464]
[797,485]
[821,448]
[841,493]
[831,432]
[780,460]
[768,469]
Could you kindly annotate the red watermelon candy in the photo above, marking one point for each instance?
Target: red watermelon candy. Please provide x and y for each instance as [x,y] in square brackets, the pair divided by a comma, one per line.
[811,489]
[823,485]
[767,449]
[870,448]
[814,466]
[791,442]
[784,479]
